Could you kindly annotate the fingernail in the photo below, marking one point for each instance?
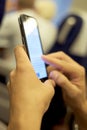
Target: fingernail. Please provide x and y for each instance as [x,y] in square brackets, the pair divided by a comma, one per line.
[53,74]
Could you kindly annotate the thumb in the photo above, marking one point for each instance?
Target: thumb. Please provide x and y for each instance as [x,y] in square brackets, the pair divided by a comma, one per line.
[50,84]
[21,57]
[61,80]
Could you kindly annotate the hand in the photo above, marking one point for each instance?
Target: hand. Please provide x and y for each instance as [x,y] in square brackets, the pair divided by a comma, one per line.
[29,97]
[70,76]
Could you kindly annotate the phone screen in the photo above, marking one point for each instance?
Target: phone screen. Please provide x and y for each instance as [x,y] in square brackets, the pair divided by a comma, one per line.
[34,47]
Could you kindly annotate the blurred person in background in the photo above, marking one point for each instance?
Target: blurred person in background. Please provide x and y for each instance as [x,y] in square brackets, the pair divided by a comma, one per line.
[11,5]
[46,8]
[10,34]
[10,31]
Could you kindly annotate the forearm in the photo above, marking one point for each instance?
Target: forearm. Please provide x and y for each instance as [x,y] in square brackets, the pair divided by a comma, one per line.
[31,122]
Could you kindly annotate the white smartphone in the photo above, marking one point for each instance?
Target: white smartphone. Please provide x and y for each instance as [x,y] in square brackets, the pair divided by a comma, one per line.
[32,41]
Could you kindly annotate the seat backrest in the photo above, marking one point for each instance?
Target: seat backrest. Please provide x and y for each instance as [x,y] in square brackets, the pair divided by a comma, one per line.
[68,31]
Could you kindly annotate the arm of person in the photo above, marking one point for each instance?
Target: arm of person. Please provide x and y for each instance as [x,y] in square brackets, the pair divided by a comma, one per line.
[70,76]
[29,97]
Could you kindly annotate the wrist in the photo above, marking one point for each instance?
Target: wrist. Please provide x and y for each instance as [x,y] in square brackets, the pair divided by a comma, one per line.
[31,120]
[81,116]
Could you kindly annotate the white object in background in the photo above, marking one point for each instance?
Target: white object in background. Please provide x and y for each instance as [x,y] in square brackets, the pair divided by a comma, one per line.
[3,126]
[46,8]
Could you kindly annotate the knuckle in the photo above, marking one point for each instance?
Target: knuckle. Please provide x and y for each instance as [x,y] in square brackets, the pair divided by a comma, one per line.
[11,73]
[82,70]
[62,53]
[21,67]
[78,94]
[61,81]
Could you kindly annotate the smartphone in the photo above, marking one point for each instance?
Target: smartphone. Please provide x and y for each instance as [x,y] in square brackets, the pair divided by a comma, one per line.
[32,41]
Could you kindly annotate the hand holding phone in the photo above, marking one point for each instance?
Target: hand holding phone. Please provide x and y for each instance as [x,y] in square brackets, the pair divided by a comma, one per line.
[31,40]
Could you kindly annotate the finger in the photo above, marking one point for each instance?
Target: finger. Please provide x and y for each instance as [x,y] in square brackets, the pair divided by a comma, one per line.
[60,55]
[52,61]
[63,82]
[50,68]
[21,57]
[62,65]
[50,84]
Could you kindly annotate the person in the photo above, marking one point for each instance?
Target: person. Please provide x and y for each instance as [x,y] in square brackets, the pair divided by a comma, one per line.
[10,34]
[11,6]
[10,31]
[41,90]
[30,98]
[49,5]
[69,80]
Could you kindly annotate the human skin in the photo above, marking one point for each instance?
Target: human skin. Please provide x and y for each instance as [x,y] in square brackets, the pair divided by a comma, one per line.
[70,76]
[29,97]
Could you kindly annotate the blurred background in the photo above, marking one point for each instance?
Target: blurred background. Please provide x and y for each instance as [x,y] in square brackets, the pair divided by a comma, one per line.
[63,26]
